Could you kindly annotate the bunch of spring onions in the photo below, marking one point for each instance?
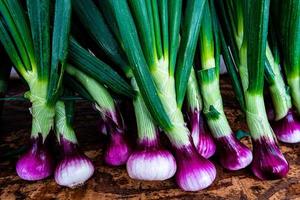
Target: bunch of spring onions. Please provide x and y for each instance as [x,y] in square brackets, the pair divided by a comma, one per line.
[162,56]
[37,47]
[254,60]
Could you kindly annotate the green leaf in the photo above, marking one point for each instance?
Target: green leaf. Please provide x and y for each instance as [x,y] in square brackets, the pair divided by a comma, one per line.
[156,22]
[16,21]
[289,22]
[188,43]
[145,30]
[39,16]
[164,22]
[139,65]
[11,50]
[256,41]
[232,71]
[75,86]
[94,22]
[98,70]
[60,40]
[175,7]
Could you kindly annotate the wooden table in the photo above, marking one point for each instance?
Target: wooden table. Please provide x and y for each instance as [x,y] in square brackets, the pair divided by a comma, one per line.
[114,183]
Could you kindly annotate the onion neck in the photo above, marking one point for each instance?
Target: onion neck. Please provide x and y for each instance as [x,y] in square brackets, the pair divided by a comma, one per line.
[257,119]
[294,84]
[213,109]
[42,112]
[179,135]
[147,131]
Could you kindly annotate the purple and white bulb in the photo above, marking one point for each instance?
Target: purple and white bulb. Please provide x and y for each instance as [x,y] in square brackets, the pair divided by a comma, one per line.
[287,129]
[268,161]
[37,163]
[233,155]
[194,172]
[74,168]
[118,149]
[201,136]
[151,162]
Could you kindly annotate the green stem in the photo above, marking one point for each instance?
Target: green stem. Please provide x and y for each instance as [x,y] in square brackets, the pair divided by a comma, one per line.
[42,112]
[294,84]
[99,93]
[280,97]
[193,96]
[178,134]
[62,127]
[257,119]
[213,106]
[145,123]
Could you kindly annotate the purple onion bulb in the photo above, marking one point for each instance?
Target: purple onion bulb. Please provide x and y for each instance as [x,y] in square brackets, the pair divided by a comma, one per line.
[75,168]
[201,136]
[151,163]
[194,172]
[268,161]
[36,163]
[287,129]
[118,150]
[233,155]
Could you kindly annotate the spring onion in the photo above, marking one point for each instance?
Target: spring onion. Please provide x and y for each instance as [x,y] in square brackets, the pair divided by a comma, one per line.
[40,60]
[193,171]
[289,38]
[118,149]
[233,155]
[201,136]
[74,168]
[149,154]
[249,49]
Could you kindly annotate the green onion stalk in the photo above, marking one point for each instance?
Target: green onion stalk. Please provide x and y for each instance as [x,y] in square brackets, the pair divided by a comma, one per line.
[150,38]
[146,160]
[289,39]
[250,58]
[201,136]
[73,168]
[37,47]
[285,124]
[118,149]
[233,155]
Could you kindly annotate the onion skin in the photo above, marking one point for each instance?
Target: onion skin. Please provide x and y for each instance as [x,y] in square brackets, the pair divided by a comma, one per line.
[268,161]
[36,163]
[194,172]
[75,168]
[118,150]
[151,162]
[233,155]
[287,129]
[201,136]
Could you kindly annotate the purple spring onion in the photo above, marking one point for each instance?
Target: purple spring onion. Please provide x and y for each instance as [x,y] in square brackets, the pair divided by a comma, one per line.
[118,149]
[193,171]
[74,168]
[201,136]
[287,129]
[268,161]
[233,155]
[151,162]
[36,163]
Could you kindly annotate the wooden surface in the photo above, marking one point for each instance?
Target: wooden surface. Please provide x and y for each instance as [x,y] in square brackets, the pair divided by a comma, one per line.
[114,183]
